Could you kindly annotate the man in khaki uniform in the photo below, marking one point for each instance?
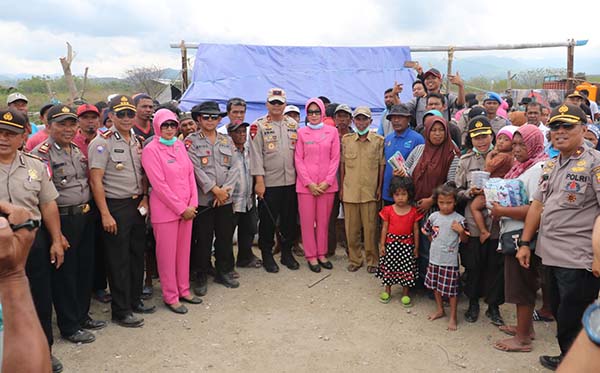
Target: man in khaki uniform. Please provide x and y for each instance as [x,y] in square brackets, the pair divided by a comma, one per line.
[217,172]
[121,195]
[564,209]
[25,182]
[362,166]
[72,283]
[272,144]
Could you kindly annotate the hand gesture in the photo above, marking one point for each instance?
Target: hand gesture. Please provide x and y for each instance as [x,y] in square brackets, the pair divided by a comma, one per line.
[401,172]
[397,88]
[455,79]
[314,189]
[474,191]
[323,186]
[457,227]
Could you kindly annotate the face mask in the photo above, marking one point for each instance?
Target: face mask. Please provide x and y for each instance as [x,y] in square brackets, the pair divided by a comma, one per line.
[167,142]
[363,132]
[480,153]
[315,126]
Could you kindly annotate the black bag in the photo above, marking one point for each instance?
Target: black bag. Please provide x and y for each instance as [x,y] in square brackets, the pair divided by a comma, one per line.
[508,242]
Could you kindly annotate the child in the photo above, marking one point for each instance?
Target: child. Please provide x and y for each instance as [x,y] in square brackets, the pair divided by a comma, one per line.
[399,245]
[497,163]
[444,228]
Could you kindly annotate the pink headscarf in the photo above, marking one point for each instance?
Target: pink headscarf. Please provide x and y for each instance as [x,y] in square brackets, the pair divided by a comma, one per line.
[534,141]
[319,103]
[161,116]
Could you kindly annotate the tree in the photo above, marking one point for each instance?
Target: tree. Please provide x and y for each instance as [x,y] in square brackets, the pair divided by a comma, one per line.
[146,79]
[535,78]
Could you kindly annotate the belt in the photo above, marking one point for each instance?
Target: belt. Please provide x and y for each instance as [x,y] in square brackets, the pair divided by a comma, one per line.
[74,210]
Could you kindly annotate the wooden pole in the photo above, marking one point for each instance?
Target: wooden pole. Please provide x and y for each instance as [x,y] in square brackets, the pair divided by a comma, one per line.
[184,67]
[449,72]
[509,81]
[84,84]
[66,66]
[570,60]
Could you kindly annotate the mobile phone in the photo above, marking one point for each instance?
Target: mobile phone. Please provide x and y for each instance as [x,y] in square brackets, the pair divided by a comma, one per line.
[410,64]
[142,211]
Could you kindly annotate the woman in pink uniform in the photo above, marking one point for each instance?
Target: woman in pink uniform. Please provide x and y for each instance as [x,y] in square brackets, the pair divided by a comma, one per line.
[173,202]
[317,159]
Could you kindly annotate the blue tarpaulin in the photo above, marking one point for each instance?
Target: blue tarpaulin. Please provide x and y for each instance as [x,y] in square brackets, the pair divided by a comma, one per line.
[352,75]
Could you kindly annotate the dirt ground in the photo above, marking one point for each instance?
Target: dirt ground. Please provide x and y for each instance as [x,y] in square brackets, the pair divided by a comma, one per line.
[276,323]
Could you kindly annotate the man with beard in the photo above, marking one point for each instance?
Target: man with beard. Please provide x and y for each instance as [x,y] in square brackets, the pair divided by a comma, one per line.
[390,98]
[144,107]
[88,120]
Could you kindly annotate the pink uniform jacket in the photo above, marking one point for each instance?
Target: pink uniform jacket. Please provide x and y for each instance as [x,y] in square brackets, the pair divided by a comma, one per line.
[171,175]
[317,158]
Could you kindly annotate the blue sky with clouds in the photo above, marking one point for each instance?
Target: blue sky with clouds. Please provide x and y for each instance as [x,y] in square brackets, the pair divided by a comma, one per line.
[113,36]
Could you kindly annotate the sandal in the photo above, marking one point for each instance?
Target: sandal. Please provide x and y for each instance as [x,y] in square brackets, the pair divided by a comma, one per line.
[539,317]
[385,297]
[102,296]
[372,269]
[252,263]
[353,268]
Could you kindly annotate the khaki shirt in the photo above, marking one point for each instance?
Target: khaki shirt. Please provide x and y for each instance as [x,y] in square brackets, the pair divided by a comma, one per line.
[69,172]
[26,183]
[361,161]
[121,162]
[214,164]
[463,124]
[272,148]
[570,193]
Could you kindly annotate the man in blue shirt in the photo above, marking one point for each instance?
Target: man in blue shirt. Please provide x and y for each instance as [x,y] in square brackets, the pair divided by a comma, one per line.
[403,139]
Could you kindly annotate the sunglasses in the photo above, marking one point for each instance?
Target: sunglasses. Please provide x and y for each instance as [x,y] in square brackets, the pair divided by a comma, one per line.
[566,126]
[210,116]
[313,112]
[169,125]
[125,113]
[276,102]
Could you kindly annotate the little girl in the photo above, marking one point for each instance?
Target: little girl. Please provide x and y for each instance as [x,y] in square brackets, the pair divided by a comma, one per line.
[399,245]
[445,228]
[497,163]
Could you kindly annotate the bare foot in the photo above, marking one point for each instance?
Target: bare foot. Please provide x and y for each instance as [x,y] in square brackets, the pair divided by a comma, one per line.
[452,325]
[483,236]
[513,345]
[436,315]
[512,330]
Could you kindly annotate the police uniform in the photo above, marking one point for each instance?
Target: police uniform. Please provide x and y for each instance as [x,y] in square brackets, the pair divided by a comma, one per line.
[272,148]
[214,165]
[120,159]
[570,192]
[26,182]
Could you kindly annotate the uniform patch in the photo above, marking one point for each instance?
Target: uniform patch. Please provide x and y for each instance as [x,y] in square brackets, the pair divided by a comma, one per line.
[187,143]
[598,177]
[120,166]
[271,146]
[408,144]
[119,150]
[573,186]
[32,174]
[581,163]
[226,160]
[578,169]
[571,198]
[253,130]
[204,161]
[100,149]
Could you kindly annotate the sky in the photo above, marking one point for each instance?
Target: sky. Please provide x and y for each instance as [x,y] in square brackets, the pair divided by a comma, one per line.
[111,37]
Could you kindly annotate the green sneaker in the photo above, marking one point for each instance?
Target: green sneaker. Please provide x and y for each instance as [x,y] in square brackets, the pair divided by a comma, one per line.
[384,297]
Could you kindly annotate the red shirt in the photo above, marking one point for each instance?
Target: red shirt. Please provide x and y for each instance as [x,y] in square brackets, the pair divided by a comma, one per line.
[82,142]
[38,138]
[400,225]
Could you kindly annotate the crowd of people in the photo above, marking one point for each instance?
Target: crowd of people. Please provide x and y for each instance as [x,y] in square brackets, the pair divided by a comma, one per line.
[129,188]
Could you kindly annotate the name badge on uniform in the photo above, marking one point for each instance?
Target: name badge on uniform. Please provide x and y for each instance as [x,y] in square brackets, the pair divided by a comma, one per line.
[170,161]
[119,150]
[120,166]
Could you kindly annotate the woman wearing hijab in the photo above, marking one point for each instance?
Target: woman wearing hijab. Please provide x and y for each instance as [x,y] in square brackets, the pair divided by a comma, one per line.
[521,284]
[317,159]
[430,165]
[173,203]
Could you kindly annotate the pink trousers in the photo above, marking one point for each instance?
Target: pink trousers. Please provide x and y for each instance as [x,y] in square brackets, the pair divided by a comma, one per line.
[314,223]
[173,241]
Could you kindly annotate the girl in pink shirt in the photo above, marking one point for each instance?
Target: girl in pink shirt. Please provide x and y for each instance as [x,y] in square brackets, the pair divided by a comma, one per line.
[173,202]
[317,159]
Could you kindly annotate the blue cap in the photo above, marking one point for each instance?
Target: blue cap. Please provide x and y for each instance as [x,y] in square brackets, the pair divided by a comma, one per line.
[492,96]
[437,113]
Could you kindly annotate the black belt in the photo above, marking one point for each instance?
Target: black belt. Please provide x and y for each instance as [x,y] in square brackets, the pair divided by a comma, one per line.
[74,210]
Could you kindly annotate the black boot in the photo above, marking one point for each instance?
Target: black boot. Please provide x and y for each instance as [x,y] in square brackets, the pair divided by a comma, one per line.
[201,284]
[288,260]
[493,313]
[227,280]
[269,262]
[472,313]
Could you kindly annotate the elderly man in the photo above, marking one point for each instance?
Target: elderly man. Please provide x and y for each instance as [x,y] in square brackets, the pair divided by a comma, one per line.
[569,197]
[19,102]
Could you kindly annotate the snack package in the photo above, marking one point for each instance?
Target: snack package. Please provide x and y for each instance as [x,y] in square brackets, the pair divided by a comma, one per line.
[479,178]
[397,161]
[507,192]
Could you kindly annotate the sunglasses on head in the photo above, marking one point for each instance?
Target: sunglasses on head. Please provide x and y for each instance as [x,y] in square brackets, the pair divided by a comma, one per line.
[125,113]
[276,102]
[566,126]
[169,125]
[210,116]
[313,112]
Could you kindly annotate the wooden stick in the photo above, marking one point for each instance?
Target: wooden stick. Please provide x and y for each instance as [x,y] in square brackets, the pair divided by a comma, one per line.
[321,279]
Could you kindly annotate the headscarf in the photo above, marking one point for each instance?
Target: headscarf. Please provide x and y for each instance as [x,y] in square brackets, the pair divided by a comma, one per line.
[319,103]
[533,138]
[160,117]
[509,131]
[432,169]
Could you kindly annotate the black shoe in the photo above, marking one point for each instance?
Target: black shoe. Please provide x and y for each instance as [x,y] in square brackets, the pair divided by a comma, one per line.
[326,265]
[80,336]
[289,261]
[493,313]
[192,300]
[91,324]
[211,271]
[314,267]
[180,310]
[269,263]
[550,362]
[140,307]
[57,366]
[201,285]
[226,280]
[472,313]
[147,292]
[129,321]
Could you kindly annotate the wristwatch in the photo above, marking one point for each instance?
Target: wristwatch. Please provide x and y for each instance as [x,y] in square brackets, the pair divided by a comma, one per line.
[523,243]
[591,322]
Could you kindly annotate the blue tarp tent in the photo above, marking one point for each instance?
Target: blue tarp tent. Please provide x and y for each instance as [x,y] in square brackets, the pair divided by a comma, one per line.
[351,75]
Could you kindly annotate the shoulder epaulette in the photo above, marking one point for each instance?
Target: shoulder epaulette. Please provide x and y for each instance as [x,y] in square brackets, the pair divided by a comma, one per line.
[75,145]
[44,148]
[33,156]
[106,134]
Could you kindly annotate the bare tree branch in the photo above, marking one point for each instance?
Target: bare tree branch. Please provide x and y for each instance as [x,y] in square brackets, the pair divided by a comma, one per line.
[146,79]
[66,66]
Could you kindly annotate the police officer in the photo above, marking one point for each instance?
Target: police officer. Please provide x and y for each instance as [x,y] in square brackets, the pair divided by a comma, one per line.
[73,281]
[217,172]
[569,197]
[25,182]
[272,146]
[121,195]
